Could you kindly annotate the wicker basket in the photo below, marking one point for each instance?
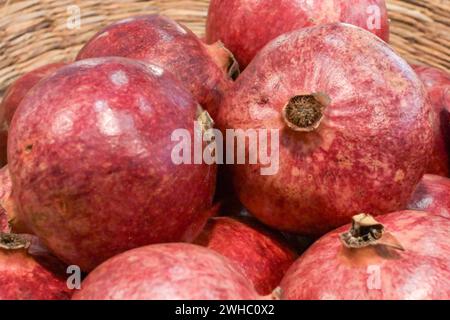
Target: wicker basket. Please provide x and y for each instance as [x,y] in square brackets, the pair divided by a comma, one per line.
[36,32]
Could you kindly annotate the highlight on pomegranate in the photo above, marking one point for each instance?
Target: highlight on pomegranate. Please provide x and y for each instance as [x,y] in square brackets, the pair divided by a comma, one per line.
[224,155]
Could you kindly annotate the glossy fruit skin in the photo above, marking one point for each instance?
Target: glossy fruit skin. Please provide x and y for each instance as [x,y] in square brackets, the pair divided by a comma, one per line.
[173,271]
[246,26]
[432,195]
[437,83]
[263,256]
[328,270]
[14,95]
[27,277]
[369,151]
[92,171]
[158,40]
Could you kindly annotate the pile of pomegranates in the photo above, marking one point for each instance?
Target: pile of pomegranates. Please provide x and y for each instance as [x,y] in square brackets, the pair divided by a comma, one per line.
[108,189]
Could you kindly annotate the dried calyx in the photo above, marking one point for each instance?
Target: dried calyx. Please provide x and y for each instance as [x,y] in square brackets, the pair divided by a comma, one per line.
[204,119]
[224,59]
[11,241]
[304,113]
[366,231]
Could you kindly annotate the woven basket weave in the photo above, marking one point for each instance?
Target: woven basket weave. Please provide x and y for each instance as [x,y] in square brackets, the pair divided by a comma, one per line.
[35,32]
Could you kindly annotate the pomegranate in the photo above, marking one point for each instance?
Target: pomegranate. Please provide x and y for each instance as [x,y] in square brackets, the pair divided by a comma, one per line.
[263,257]
[432,194]
[4,224]
[14,95]
[24,276]
[5,193]
[405,257]
[353,124]
[246,26]
[437,83]
[173,271]
[158,40]
[92,171]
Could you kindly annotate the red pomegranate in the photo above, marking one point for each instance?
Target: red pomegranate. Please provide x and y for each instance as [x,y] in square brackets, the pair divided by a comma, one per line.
[432,194]
[437,83]
[14,95]
[246,26]
[167,272]
[353,124]
[263,256]
[24,276]
[410,259]
[5,193]
[4,225]
[8,211]
[92,171]
[158,40]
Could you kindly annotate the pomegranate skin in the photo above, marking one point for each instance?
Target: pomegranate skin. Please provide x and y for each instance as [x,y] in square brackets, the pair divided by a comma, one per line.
[4,226]
[370,149]
[432,194]
[14,95]
[22,277]
[8,211]
[437,83]
[92,171]
[253,23]
[173,271]
[5,193]
[263,258]
[420,272]
[161,41]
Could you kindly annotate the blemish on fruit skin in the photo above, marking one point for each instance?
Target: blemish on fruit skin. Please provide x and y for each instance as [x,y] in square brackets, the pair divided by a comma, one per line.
[399,175]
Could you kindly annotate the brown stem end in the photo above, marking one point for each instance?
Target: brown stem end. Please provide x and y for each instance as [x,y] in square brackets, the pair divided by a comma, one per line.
[304,113]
